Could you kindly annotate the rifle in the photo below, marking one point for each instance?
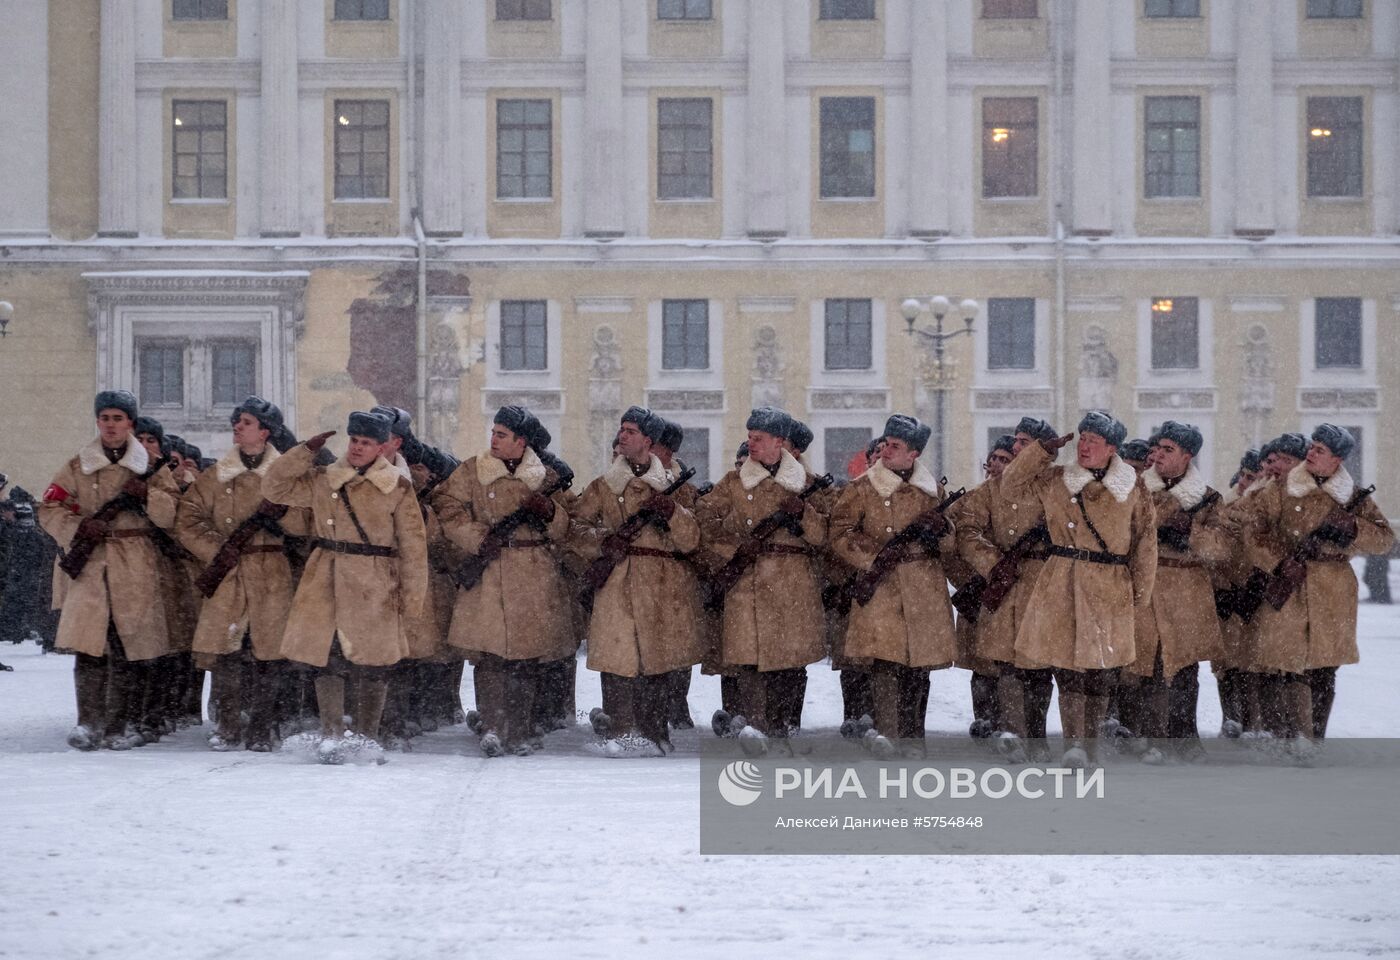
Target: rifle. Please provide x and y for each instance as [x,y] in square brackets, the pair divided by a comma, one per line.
[718,586]
[989,594]
[1293,569]
[615,545]
[265,517]
[469,573]
[80,550]
[1175,537]
[861,587]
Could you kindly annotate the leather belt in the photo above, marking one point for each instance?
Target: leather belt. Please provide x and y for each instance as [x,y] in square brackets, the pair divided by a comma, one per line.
[1176,564]
[145,532]
[263,548]
[353,549]
[1088,556]
[653,552]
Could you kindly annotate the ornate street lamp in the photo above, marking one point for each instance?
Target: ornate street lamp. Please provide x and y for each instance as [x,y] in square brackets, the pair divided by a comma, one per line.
[943,374]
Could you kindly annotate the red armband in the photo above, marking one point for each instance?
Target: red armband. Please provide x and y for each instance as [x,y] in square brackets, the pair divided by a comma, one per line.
[56,494]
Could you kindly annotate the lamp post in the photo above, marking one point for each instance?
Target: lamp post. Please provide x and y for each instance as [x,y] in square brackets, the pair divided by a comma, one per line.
[7,313]
[943,375]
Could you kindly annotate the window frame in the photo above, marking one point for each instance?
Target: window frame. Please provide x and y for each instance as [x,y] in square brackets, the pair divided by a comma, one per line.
[846,11]
[1010,5]
[524,7]
[1309,6]
[338,110]
[845,304]
[360,10]
[525,127]
[1348,149]
[237,392]
[1321,336]
[685,7]
[200,131]
[179,346]
[1017,133]
[685,306]
[1021,303]
[1155,315]
[833,183]
[200,16]
[525,306]
[1172,127]
[1172,13]
[688,177]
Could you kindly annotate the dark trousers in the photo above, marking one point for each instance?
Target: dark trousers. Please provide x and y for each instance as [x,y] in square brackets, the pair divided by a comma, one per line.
[857,699]
[766,698]
[505,697]
[637,705]
[901,699]
[109,689]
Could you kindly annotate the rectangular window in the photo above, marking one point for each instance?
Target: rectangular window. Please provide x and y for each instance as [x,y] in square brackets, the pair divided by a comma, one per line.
[847,10]
[1175,333]
[1010,147]
[1173,147]
[685,334]
[523,334]
[1011,333]
[523,10]
[1172,8]
[235,372]
[199,161]
[1337,332]
[683,148]
[695,452]
[362,9]
[362,149]
[848,335]
[1336,145]
[684,9]
[524,150]
[1335,9]
[199,10]
[842,444]
[1010,9]
[162,374]
[848,147]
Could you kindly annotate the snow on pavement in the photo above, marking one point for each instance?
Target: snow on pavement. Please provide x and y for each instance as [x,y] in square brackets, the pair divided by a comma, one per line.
[175,851]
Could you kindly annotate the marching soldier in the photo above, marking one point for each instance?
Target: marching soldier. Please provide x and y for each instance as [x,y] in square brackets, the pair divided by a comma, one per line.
[666,449]
[1003,538]
[1302,532]
[236,534]
[503,507]
[556,697]
[724,721]
[772,614]
[1178,628]
[1101,567]
[829,569]
[101,509]
[366,579]
[1239,696]
[888,526]
[646,616]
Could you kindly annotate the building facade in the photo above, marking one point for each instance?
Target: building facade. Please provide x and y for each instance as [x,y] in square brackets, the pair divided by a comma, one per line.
[1181,209]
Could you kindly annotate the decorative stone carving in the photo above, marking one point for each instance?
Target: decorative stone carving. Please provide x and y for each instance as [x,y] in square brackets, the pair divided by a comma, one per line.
[708,401]
[539,401]
[604,394]
[849,400]
[1098,370]
[1312,398]
[1014,400]
[1202,399]
[1257,389]
[768,368]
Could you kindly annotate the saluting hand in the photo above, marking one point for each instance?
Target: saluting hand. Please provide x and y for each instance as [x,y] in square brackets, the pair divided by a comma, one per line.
[319,441]
[1052,447]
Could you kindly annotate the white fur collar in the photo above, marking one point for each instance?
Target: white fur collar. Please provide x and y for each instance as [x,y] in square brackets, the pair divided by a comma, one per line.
[91,458]
[230,465]
[1260,482]
[790,476]
[1339,486]
[1119,480]
[619,474]
[381,473]
[886,481]
[1189,490]
[531,471]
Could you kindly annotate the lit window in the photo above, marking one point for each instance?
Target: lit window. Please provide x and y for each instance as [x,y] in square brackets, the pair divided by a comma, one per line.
[1336,145]
[361,149]
[199,160]
[1175,333]
[1010,147]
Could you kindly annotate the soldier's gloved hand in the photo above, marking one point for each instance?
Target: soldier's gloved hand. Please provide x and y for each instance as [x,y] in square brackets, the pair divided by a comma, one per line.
[91,528]
[932,523]
[662,506]
[490,549]
[135,487]
[1052,447]
[748,549]
[792,505]
[1179,522]
[319,441]
[614,549]
[1339,530]
[273,510]
[539,506]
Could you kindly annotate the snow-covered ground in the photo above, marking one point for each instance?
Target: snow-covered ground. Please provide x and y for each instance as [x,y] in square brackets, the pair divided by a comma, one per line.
[172,851]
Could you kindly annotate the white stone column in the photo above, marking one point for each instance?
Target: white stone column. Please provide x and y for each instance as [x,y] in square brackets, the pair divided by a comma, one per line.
[117,206]
[928,120]
[278,163]
[1092,155]
[604,215]
[441,129]
[765,113]
[1254,118]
